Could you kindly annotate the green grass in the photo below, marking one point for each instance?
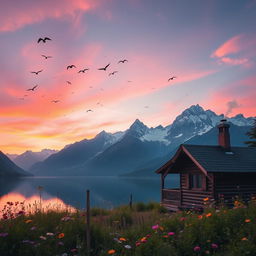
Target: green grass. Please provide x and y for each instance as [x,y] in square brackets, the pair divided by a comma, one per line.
[143,230]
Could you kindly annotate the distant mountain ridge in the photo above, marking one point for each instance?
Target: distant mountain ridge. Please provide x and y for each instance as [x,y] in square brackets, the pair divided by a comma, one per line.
[9,169]
[28,158]
[124,152]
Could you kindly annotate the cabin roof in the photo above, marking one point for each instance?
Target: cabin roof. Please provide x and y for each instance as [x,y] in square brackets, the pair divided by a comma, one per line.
[215,158]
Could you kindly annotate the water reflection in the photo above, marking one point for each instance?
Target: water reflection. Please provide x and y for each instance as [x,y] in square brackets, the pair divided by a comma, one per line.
[106,192]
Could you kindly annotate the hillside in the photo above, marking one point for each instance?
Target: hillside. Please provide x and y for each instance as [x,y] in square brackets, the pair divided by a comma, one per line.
[10,169]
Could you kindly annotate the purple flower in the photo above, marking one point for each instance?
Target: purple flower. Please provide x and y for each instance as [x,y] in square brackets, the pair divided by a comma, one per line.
[197,249]
[3,234]
[60,243]
[33,228]
[171,234]
[214,246]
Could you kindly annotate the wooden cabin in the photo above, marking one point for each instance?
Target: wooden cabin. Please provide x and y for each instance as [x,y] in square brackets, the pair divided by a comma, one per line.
[213,172]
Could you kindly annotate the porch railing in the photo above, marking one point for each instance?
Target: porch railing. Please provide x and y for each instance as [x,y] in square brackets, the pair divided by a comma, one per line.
[172,194]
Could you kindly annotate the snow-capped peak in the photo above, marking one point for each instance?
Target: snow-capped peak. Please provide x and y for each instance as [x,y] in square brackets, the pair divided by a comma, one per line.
[138,128]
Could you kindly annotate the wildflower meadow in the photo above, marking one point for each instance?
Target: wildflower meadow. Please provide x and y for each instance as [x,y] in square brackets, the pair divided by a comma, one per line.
[143,230]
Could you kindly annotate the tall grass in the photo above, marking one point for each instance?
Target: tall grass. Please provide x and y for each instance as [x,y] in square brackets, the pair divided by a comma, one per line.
[143,230]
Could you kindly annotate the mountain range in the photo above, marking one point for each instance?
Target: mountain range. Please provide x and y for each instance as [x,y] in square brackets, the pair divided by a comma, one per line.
[28,158]
[140,150]
[9,169]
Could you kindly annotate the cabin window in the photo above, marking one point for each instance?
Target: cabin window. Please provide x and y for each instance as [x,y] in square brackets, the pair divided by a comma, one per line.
[195,181]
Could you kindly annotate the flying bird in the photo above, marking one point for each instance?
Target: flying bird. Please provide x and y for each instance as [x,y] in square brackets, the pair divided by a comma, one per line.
[37,72]
[89,110]
[122,61]
[71,66]
[83,70]
[43,39]
[55,101]
[112,73]
[68,82]
[171,78]
[32,89]
[46,57]
[105,68]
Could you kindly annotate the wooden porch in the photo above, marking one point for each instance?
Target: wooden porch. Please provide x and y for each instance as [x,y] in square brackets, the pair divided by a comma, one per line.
[171,198]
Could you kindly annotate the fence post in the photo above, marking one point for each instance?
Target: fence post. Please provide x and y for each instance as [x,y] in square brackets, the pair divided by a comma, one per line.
[88,233]
[130,203]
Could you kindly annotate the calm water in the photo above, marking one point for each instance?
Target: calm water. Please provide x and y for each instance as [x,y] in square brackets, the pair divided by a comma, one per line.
[106,192]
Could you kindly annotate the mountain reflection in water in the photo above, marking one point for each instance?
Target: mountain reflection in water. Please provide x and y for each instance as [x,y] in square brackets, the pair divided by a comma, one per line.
[106,192]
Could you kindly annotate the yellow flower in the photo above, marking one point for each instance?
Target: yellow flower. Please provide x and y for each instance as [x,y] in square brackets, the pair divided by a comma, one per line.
[28,221]
[206,199]
[111,251]
[61,235]
[122,239]
[208,215]
[247,220]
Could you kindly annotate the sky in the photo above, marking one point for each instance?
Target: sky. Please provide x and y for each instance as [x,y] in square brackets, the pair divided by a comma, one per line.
[208,46]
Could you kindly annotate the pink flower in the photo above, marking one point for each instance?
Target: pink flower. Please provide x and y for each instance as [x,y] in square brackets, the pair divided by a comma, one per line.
[214,246]
[197,249]
[171,234]
[155,227]
[3,234]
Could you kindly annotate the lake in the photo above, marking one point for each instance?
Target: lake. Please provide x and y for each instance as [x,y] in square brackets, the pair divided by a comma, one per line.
[106,192]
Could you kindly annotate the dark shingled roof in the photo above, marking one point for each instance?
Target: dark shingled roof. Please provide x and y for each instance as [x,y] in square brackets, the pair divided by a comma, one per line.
[217,159]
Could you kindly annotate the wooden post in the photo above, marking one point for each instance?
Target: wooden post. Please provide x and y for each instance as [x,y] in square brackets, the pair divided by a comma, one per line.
[88,235]
[130,203]
[162,186]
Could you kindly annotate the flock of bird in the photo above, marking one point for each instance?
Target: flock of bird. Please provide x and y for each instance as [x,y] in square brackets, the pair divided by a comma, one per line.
[72,66]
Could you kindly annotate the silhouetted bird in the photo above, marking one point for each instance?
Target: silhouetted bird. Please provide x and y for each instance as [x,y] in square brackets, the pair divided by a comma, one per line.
[46,57]
[43,39]
[37,72]
[105,68]
[171,78]
[83,70]
[122,61]
[112,73]
[71,66]
[68,82]
[32,89]
[55,101]
[89,110]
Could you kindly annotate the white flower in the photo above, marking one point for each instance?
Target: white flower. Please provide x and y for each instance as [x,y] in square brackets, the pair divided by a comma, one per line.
[127,246]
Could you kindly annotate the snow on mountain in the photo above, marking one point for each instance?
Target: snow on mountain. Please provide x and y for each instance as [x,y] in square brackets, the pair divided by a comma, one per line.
[156,134]
[191,122]
[240,120]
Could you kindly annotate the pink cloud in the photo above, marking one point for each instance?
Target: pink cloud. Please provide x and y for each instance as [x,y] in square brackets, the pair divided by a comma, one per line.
[22,13]
[241,94]
[236,51]
[233,45]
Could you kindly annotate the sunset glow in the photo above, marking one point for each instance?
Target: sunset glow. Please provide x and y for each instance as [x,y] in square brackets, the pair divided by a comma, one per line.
[211,52]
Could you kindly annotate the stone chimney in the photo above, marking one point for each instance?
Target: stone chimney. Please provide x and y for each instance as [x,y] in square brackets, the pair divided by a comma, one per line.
[224,137]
